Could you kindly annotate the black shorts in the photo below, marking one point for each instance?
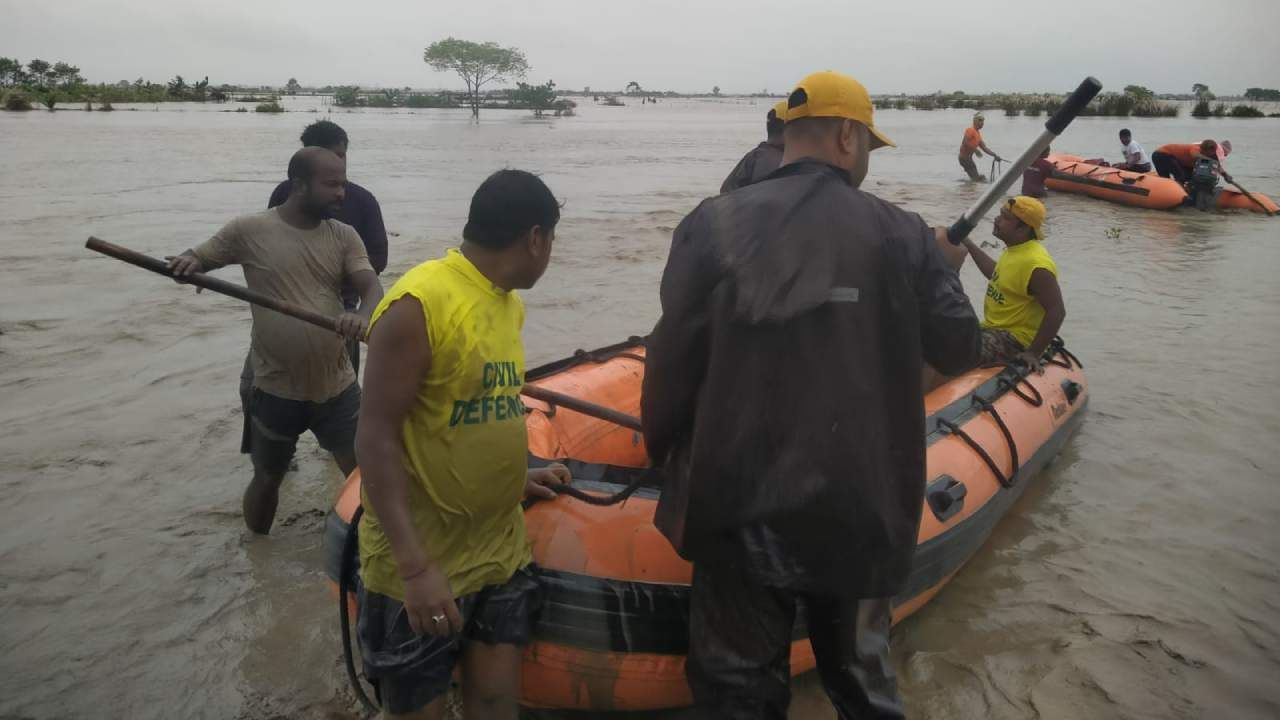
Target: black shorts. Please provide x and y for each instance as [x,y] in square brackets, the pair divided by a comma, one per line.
[412,670]
[273,424]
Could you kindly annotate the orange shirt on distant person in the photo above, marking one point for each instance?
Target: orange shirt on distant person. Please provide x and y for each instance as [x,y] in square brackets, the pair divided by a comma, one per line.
[1185,154]
[972,139]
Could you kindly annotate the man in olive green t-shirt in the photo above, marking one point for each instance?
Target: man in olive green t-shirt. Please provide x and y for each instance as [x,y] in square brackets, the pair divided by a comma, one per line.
[302,376]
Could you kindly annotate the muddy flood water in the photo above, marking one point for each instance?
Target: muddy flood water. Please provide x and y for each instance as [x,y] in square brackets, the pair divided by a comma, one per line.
[1137,578]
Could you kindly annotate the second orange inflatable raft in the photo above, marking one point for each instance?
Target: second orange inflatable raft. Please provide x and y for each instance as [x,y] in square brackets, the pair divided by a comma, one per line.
[614,631]
[1072,174]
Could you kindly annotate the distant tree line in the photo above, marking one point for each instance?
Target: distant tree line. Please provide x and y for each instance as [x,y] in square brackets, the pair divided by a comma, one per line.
[51,83]
[1262,95]
[1136,100]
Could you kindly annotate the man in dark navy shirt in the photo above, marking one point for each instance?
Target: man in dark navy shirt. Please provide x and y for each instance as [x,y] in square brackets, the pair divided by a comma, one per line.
[360,209]
[763,158]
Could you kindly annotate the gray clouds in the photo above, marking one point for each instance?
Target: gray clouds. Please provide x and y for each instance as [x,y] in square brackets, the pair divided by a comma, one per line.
[748,46]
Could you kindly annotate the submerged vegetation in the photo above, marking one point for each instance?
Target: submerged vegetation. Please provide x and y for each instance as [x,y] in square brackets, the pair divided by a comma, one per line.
[61,82]
[1135,100]
[1262,94]
[16,101]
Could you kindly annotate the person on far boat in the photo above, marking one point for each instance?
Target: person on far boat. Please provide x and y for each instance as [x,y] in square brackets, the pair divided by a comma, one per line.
[1176,160]
[1202,187]
[771,462]
[763,158]
[445,566]
[1135,158]
[302,374]
[1034,176]
[972,145]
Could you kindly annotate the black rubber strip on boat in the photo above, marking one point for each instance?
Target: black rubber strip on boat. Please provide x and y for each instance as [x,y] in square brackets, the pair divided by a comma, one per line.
[1079,180]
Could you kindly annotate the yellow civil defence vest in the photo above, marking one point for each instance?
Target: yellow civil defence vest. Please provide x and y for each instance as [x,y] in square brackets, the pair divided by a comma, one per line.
[465,441]
[1009,306]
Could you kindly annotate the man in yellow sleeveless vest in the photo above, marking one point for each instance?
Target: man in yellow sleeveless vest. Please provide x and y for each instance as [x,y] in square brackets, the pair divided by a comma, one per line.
[1024,309]
[445,564]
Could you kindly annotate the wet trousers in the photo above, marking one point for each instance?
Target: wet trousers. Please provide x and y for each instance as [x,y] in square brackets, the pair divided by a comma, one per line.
[1167,166]
[740,636]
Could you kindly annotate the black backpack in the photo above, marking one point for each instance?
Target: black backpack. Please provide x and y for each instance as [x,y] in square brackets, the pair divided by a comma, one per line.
[1204,172]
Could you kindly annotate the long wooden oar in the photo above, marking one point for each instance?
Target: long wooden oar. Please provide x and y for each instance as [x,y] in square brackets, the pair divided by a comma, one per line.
[1255,200]
[240,292]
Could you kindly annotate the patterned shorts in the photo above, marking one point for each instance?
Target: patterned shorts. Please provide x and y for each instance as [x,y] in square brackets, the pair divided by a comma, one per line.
[412,670]
[999,347]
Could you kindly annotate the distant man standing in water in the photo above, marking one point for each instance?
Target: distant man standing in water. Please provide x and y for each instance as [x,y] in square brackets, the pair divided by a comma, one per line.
[972,145]
[302,375]
[445,564]
[782,395]
[763,158]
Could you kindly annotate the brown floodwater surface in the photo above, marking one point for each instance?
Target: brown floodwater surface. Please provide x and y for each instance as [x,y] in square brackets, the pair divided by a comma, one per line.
[1138,578]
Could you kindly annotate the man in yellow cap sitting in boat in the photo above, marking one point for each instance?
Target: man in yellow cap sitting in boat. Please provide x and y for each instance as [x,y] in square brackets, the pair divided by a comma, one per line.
[1024,309]
[782,395]
[763,158]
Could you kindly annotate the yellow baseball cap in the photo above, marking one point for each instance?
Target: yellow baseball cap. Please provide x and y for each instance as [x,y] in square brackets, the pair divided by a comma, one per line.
[780,110]
[1031,212]
[831,94]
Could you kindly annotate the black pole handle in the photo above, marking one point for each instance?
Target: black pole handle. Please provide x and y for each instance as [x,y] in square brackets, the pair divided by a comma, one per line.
[1074,104]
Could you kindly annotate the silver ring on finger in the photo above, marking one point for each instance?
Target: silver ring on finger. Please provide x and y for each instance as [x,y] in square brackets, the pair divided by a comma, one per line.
[437,619]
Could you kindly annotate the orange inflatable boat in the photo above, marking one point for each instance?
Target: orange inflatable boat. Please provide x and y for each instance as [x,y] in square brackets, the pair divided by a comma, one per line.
[1072,174]
[614,631]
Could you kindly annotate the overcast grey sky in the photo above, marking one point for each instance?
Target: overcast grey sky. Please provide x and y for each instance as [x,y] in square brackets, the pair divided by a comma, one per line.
[683,45]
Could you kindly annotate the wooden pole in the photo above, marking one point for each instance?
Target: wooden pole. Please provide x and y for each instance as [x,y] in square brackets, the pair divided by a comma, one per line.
[160,267]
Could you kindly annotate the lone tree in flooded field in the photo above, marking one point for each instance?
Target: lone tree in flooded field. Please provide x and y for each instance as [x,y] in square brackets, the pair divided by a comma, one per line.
[477,64]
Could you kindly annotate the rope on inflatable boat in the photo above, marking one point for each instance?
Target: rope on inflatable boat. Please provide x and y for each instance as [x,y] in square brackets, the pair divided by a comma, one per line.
[990,407]
[1056,348]
[1034,400]
[606,500]
[347,569]
[953,429]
